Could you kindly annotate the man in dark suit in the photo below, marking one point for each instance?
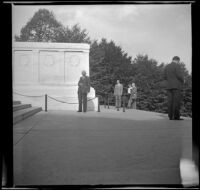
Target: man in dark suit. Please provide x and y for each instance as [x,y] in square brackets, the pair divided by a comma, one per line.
[83,89]
[174,81]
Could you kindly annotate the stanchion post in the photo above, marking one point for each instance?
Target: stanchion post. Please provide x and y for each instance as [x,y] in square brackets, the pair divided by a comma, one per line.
[98,104]
[46,102]
[108,102]
[124,103]
[104,100]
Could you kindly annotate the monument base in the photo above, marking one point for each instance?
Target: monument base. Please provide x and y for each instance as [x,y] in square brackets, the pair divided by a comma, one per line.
[59,97]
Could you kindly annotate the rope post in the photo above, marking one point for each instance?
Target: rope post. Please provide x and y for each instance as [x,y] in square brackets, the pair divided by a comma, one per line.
[123,103]
[98,104]
[108,102]
[104,101]
[46,102]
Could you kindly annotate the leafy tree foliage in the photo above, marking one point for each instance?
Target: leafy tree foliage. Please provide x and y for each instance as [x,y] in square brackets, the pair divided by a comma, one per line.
[75,35]
[186,108]
[147,77]
[43,27]
[151,96]
[108,63]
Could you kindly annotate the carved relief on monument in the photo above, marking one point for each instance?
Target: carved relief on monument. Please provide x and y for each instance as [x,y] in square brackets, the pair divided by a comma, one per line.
[51,68]
[25,60]
[73,67]
[48,60]
[74,60]
[23,67]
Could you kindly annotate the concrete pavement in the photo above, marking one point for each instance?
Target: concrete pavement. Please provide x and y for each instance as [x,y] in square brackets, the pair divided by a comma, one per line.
[107,147]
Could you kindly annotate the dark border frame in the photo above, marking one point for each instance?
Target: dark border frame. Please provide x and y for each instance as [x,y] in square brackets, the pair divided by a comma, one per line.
[7,141]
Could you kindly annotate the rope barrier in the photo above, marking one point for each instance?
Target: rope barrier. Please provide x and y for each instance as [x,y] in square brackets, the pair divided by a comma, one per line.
[28,95]
[68,102]
[109,96]
[50,97]
[91,99]
[106,95]
[60,100]
[109,99]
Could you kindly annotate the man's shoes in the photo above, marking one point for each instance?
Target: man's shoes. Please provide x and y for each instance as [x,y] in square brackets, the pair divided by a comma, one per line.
[178,119]
[170,118]
[79,111]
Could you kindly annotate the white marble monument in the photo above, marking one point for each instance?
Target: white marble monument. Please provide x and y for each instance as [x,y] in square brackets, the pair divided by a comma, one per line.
[54,69]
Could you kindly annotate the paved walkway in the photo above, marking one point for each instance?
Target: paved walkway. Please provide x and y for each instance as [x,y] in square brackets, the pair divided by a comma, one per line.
[107,147]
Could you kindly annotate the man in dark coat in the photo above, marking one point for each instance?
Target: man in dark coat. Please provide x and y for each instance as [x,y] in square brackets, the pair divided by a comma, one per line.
[83,89]
[174,81]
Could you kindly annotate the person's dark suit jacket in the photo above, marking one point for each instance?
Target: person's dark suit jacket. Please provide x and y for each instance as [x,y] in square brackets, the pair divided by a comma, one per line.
[173,76]
[84,85]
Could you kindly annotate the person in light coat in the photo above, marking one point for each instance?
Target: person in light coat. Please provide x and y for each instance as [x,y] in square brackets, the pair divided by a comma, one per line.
[118,94]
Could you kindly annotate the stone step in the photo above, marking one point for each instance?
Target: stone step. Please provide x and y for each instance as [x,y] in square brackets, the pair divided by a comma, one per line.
[22,114]
[21,106]
[16,102]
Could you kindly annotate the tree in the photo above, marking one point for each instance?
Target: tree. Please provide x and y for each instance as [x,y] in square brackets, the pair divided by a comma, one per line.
[147,76]
[150,96]
[43,27]
[186,107]
[75,35]
[107,64]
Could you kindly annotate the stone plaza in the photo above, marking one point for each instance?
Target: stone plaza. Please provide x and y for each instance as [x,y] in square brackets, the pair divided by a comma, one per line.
[100,148]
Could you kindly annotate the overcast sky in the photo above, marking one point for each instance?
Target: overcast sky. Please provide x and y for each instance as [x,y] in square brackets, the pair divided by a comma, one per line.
[160,31]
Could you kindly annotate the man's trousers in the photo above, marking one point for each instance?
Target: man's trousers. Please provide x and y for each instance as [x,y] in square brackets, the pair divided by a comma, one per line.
[174,102]
[132,103]
[118,101]
[82,98]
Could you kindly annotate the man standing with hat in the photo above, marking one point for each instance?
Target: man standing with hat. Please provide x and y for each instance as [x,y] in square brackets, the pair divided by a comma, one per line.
[83,90]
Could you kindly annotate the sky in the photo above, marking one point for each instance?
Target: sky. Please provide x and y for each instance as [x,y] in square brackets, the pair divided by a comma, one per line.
[160,31]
